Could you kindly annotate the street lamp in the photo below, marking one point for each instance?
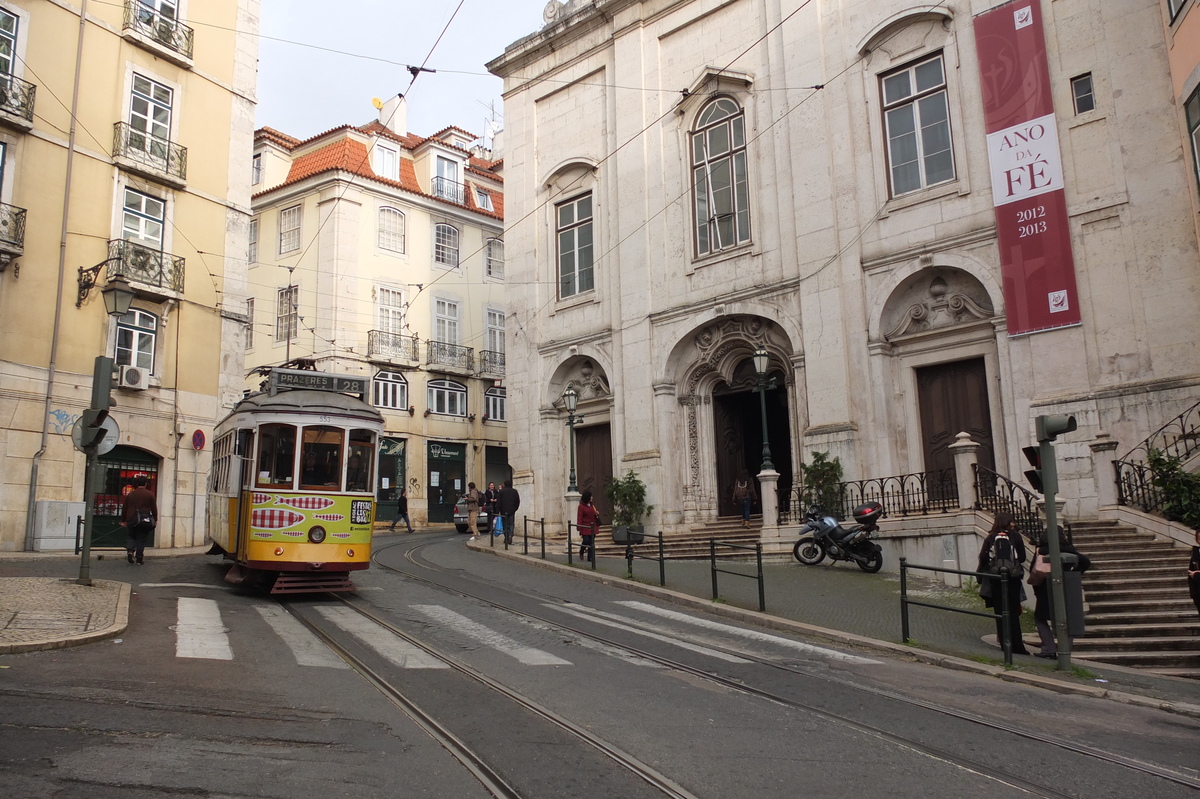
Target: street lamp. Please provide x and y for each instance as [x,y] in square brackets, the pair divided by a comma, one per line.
[118,296]
[762,360]
[571,398]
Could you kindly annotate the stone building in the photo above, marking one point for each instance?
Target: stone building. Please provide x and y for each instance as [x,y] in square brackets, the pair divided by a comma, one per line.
[378,252]
[125,139]
[935,218]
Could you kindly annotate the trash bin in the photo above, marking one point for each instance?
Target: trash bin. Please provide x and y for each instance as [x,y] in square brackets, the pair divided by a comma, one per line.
[1073,594]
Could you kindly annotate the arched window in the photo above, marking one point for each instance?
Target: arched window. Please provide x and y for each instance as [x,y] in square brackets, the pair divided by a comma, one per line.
[494,400]
[137,334]
[721,200]
[447,398]
[391,230]
[495,258]
[445,245]
[391,391]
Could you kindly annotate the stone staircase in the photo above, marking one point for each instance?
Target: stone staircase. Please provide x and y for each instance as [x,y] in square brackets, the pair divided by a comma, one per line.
[690,545]
[1139,612]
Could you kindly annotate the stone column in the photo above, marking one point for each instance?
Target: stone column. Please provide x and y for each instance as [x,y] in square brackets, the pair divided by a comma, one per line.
[966,455]
[1104,454]
[768,482]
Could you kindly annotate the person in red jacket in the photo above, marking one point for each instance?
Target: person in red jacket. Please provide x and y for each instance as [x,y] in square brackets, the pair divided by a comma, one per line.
[588,519]
[139,516]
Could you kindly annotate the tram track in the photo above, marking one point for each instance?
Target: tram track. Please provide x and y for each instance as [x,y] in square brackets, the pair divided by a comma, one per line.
[412,555]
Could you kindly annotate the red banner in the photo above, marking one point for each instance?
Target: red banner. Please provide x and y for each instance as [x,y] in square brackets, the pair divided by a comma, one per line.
[1026,165]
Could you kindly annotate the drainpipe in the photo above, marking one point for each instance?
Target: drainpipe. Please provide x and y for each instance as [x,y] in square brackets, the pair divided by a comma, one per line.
[62,274]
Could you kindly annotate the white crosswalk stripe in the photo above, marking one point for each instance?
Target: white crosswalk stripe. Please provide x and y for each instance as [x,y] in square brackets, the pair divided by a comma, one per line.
[622,623]
[396,650]
[490,638]
[306,647]
[199,631]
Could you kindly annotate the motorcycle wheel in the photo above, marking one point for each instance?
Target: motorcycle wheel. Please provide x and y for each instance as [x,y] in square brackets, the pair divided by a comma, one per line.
[809,552]
[873,562]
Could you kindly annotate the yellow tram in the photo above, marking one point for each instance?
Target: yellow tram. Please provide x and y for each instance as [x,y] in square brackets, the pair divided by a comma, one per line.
[291,494]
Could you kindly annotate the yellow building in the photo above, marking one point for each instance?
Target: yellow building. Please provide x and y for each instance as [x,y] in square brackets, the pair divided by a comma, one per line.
[378,252]
[126,131]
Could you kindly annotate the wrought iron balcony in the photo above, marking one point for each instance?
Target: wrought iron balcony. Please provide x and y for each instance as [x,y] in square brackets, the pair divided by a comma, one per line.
[170,33]
[16,99]
[447,190]
[439,353]
[12,228]
[145,266]
[142,152]
[491,363]
[392,347]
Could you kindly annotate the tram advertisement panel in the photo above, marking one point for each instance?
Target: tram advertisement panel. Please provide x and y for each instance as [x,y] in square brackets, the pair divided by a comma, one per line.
[295,517]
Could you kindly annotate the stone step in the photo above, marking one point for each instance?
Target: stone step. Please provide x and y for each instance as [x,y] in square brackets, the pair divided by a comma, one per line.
[1191,674]
[1166,643]
[1132,552]
[1154,616]
[1147,660]
[1143,594]
[1120,582]
[1169,629]
[1138,606]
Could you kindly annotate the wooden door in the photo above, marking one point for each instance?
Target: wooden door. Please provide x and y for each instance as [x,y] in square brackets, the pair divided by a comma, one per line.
[954,399]
[593,464]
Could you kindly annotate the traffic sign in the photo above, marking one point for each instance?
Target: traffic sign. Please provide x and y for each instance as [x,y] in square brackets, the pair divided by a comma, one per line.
[198,440]
[112,434]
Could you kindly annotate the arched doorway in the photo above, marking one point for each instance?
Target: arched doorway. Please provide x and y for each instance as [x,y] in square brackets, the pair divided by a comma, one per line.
[117,470]
[738,432]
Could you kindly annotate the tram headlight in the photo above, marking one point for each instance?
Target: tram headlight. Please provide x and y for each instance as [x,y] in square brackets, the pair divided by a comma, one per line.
[278,550]
[316,534]
[349,553]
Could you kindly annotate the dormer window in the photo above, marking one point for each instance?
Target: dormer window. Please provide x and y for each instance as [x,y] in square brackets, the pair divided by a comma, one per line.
[387,162]
[483,199]
[445,184]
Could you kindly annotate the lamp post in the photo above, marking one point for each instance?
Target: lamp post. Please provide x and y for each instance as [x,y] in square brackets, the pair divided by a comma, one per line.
[571,398]
[762,359]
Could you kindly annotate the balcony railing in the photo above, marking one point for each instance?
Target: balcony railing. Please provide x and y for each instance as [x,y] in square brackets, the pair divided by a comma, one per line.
[439,353]
[995,493]
[16,97]
[144,265]
[12,227]
[491,363]
[392,346]
[447,190]
[155,154]
[170,33]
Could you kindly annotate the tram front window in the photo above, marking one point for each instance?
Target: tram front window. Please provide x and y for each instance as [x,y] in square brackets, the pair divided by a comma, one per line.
[321,458]
[362,459]
[276,454]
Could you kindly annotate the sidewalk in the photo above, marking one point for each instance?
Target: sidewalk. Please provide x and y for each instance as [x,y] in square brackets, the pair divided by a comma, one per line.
[841,603]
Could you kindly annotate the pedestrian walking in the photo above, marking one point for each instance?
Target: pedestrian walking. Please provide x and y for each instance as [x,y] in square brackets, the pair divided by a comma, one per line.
[1002,550]
[1043,612]
[474,502]
[507,504]
[744,496]
[402,511]
[587,518]
[1194,573]
[139,517]
[491,505]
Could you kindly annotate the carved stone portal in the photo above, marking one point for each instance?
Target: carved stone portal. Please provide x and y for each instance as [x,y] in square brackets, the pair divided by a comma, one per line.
[936,298]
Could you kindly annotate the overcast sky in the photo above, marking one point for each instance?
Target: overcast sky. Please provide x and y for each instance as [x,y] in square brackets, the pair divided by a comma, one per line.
[303,90]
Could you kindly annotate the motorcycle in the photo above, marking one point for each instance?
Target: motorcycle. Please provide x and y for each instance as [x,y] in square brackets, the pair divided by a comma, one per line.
[821,536]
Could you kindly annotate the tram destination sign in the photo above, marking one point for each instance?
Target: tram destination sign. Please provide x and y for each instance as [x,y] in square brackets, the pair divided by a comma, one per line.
[317,381]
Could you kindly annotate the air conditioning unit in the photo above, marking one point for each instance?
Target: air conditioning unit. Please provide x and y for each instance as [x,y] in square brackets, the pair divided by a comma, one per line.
[134,377]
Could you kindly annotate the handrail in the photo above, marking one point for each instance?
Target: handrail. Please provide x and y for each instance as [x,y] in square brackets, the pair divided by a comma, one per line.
[1179,437]
[919,493]
[995,493]
[630,555]
[1006,631]
[571,546]
[712,556]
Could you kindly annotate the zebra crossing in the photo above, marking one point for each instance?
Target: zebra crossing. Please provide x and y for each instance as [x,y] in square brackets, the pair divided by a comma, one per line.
[201,633]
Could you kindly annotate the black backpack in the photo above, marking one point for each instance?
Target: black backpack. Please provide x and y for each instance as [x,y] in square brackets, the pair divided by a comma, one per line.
[143,520]
[1002,556]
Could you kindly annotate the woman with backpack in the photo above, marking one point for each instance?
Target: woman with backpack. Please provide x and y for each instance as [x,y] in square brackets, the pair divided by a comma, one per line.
[1043,613]
[1004,549]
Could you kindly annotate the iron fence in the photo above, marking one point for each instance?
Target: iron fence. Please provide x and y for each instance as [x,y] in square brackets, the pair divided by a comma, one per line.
[491,362]
[447,190]
[392,346]
[149,151]
[17,96]
[439,353]
[144,265]
[12,225]
[170,33]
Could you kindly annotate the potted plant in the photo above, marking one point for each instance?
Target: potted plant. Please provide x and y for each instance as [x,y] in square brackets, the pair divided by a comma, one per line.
[823,483]
[628,498]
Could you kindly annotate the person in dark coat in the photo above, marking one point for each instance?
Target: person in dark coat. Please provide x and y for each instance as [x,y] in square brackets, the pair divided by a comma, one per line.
[989,587]
[140,498]
[508,504]
[1043,612]
[588,519]
[402,511]
[1194,573]
[491,504]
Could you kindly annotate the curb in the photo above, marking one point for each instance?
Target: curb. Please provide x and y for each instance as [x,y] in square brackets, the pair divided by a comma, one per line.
[1045,682]
[119,625]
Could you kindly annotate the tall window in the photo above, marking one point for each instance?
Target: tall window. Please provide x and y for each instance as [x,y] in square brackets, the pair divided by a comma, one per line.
[150,117]
[8,41]
[250,324]
[387,162]
[447,398]
[722,194]
[165,9]
[391,391]
[137,332]
[287,313]
[574,227]
[289,229]
[142,219]
[1192,111]
[445,184]
[1082,94]
[494,402]
[390,309]
[495,258]
[391,230]
[917,124]
[445,245]
[256,169]
[495,330]
[252,250]
[445,321]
